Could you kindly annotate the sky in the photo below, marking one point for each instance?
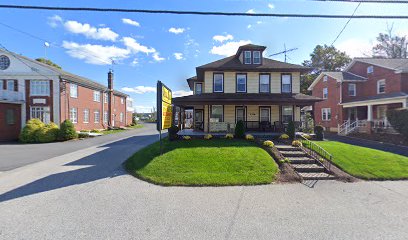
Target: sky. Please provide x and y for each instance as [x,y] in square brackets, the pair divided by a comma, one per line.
[151,47]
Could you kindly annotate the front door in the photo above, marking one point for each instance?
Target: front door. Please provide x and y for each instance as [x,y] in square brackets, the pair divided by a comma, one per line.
[239,114]
[199,119]
[10,125]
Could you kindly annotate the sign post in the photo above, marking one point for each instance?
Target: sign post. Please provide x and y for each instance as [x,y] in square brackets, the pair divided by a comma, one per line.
[164,109]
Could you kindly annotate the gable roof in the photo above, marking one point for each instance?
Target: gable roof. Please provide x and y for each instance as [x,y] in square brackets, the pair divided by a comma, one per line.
[397,64]
[339,76]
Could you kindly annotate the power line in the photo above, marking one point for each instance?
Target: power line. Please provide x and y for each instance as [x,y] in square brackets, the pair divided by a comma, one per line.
[342,30]
[177,12]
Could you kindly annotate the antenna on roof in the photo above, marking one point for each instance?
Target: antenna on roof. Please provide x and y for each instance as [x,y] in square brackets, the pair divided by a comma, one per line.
[285,51]
[112,63]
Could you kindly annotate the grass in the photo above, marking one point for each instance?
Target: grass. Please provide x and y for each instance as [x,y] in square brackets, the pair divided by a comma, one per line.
[367,163]
[105,132]
[216,162]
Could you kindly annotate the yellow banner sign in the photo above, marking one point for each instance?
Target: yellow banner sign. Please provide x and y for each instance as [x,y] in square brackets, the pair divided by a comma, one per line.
[166,95]
[164,107]
[166,115]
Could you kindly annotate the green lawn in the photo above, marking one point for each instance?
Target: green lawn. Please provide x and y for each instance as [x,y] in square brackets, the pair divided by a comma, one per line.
[215,162]
[367,163]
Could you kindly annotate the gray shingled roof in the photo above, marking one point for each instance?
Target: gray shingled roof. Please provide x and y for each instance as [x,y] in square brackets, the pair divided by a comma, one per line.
[398,64]
[345,76]
[378,97]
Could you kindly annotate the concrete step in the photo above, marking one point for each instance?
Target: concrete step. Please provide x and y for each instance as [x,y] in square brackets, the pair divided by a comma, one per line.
[301,160]
[286,148]
[293,153]
[308,167]
[316,176]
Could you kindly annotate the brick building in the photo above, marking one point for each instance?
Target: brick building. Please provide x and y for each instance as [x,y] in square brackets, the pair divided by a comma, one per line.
[358,98]
[30,89]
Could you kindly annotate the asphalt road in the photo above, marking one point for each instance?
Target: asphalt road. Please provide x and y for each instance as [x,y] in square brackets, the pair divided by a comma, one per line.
[86,194]
[15,155]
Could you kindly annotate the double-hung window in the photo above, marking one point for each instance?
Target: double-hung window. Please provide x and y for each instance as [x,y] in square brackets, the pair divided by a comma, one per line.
[352,89]
[326,114]
[257,57]
[121,117]
[73,115]
[105,97]
[198,88]
[73,90]
[287,113]
[265,114]
[86,115]
[97,96]
[325,93]
[217,113]
[325,78]
[286,83]
[247,57]
[241,82]
[97,116]
[381,86]
[105,117]
[264,83]
[218,82]
[10,85]
[370,69]
[42,113]
[39,87]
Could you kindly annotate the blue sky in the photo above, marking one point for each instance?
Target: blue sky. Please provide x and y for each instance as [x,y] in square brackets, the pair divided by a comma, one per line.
[151,47]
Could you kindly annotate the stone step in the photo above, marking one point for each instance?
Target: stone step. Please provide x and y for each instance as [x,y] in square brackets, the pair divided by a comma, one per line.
[316,176]
[308,167]
[301,160]
[286,148]
[293,153]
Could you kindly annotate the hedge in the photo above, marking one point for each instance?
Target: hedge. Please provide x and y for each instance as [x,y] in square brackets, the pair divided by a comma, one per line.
[399,120]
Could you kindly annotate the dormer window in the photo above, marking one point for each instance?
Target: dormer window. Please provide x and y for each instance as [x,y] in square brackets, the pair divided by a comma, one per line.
[257,57]
[247,57]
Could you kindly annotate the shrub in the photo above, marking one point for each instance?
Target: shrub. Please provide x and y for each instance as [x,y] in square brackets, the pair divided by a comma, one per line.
[173,130]
[307,136]
[67,131]
[399,120]
[319,132]
[229,136]
[290,131]
[249,137]
[96,131]
[240,129]
[284,136]
[268,143]
[296,143]
[186,137]
[30,132]
[284,160]
[83,135]
[49,133]
[208,136]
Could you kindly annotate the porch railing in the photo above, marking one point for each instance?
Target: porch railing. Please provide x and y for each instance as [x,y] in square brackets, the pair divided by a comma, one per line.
[316,152]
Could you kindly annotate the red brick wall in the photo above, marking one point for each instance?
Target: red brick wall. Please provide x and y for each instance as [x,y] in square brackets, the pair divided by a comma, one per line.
[10,131]
[404,82]
[331,102]
[119,108]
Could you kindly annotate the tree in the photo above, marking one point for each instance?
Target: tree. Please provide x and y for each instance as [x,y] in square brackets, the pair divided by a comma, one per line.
[48,62]
[323,58]
[390,46]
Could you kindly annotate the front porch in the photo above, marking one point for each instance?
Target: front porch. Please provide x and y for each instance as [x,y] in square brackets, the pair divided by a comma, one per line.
[198,133]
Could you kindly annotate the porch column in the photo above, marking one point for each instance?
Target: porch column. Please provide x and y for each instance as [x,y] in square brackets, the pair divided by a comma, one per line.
[370,113]
[404,103]
[179,118]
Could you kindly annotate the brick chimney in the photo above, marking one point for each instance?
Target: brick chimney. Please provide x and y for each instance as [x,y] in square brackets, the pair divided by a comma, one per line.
[111,106]
[110,79]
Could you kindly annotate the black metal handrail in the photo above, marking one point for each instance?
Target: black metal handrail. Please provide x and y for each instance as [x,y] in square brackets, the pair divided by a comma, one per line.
[316,152]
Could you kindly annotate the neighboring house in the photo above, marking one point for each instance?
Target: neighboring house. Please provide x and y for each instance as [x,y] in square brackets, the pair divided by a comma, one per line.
[30,89]
[358,98]
[263,93]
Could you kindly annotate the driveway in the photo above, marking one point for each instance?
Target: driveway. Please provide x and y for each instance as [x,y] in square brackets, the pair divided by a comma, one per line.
[86,194]
[14,155]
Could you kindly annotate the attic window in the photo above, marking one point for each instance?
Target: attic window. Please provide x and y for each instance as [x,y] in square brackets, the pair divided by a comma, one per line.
[247,57]
[325,78]
[257,57]
[370,69]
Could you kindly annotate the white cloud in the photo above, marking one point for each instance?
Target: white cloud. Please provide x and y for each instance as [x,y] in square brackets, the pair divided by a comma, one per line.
[271,6]
[130,22]
[252,11]
[176,30]
[136,47]
[54,21]
[90,32]
[139,89]
[259,22]
[249,26]
[181,93]
[157,58]
[95,54]
[356,47]
[135,62]
[229,48]
[221,38]
[178,56]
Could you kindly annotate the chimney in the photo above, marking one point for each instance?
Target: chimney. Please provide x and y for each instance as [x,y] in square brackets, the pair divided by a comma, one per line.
[110,79]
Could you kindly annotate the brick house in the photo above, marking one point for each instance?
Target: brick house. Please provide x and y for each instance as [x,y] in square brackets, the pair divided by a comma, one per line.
[358,98]
[30,89]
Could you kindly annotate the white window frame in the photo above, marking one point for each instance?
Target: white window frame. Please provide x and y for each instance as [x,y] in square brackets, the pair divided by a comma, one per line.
[86,115]
[247,58]
[269,83]
[7,85]
[42,113]
[283,110]
[105,116]
[379,82]
[236,82]
[73,88]
[97,116]
[258,58]
[325,78]
[105,97]
[325,93]
[39,88]
[121,116]
[286,84]
[222,83]
[354,89]
[97,96]
[370,69]
[73,115]
[326,114]
[195,88]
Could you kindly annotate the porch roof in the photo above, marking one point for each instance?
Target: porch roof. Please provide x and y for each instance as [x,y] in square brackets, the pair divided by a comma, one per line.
[246,99]
[376,99]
